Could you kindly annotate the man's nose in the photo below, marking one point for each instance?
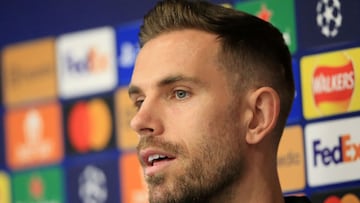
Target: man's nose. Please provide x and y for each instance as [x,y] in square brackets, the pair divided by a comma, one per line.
[147,121]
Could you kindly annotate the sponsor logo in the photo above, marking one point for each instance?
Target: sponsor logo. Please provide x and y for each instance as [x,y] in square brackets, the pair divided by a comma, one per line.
[348,195]
[282,16]
[95,182]
[29,72]
[133,185]
[127,138]
[327,23]
[333,147]
[347,198]
[89,125]
[334,83]
[36,187]
[86,62]
[2,138]
[264,13]
[127,49]
[33,136]
[92,185]
[128,53]
[92,63]
[43,185]
[4,188]
[343,152]
[291,159]
[329,17]
[328,83]
[295,114]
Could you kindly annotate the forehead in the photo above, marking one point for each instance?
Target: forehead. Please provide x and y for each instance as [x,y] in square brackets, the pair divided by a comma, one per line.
[189,52]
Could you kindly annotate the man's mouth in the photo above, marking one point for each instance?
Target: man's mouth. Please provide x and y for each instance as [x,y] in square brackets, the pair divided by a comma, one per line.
[152,159]
[155,161]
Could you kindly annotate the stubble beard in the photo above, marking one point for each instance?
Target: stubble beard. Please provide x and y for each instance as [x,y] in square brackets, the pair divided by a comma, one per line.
[216,166]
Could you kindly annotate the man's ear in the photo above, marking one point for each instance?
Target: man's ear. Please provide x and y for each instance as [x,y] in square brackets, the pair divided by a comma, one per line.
[264,104]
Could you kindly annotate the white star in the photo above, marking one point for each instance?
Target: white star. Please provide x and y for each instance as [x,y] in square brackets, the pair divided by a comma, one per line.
[328,13]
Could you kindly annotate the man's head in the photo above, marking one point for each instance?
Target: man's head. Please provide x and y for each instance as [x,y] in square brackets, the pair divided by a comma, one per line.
[208,83]
[253,52]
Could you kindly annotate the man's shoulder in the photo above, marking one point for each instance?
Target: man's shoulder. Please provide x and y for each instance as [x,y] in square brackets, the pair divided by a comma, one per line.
[296,199]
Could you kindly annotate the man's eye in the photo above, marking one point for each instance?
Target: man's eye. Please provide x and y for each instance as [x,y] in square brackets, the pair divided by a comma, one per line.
[138,103]
[181,94]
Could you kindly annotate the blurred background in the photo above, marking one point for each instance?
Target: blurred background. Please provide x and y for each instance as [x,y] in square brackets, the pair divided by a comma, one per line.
[64,111]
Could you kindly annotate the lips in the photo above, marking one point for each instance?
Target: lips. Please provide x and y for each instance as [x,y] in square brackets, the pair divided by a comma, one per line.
[155,161]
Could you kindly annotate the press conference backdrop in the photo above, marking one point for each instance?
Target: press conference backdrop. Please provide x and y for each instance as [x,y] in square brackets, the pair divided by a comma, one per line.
[65,113]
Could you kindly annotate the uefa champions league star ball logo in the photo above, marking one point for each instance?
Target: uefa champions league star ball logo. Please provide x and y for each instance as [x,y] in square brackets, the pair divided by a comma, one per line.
[329,17]
[92,185]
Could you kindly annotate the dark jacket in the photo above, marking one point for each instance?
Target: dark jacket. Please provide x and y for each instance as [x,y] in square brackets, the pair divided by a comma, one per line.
[296,199]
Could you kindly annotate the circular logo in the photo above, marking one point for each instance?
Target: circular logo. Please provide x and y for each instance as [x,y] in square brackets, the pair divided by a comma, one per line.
[90,125]
[347,198]
[329,17]
[36,187]
[92,185]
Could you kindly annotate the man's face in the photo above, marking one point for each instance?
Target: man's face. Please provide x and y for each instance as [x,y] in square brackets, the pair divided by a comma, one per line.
[191,135]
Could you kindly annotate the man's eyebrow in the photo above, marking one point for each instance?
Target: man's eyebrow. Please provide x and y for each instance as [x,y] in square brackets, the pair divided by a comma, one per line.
[133,90]
[176,78]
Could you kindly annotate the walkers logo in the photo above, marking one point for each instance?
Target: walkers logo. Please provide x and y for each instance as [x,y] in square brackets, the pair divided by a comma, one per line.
[327,22]
[334,83]
[280,15]
[29,72]
[290,159]
[134,189]
[329,83]
[86,62]
[349,195]
[127,138]
[333,147]
[89,125]
[93,182]
[4,188]
[33,136]
[41,186]
[127,49]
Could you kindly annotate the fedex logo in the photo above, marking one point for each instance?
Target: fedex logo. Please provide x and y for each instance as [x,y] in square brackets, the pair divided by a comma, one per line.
[332,147]
[93,62]
[86,62]
[345,151]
